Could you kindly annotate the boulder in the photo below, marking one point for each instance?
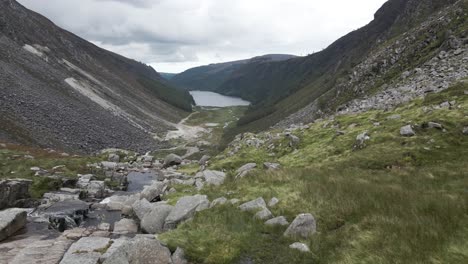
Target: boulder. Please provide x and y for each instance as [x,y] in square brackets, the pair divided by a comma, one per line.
[53,197]
[115,203]
[204,160]
[407,131]
[271,166]
[113,157]
[465,131]
[171,160]
[394,117]
[254,205]
[361,139]
[179,257]
[273,202]
[300,246]
[107,165]
[138,250]
[66,214]
[147,158]
[12,191]
[213,177]
[185,208]
[141,208]
[303,226]
[11,220]
[245,169]
[126,226]
[435,125]
[153,222]
[96,189]
[280,220]
[264,214]
[153,192]
[218,201]
[87,250]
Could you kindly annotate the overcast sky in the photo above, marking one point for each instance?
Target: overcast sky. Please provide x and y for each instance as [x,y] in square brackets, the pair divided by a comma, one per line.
[174,35]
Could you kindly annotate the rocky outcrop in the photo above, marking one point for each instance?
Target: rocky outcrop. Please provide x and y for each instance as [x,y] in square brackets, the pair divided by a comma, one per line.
[12,192]
[11,220]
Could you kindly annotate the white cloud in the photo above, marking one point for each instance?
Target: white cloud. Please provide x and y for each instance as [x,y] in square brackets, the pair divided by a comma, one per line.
[175,34]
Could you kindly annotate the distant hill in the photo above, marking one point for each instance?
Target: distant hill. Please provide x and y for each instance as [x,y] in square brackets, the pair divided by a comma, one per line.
[60,91]
[167,76]
[211,77]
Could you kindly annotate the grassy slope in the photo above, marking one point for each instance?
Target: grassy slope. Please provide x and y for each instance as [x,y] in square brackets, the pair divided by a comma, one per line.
[398,200]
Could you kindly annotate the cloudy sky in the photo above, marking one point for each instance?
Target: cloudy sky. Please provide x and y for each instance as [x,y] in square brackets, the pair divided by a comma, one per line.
[174,35]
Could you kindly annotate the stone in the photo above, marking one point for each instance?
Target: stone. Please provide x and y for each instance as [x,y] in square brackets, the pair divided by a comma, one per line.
[245,169]
[141,208]
[115,203]
[213,177]
[218,201]
[293,140]
[203,161]
[234,201]
[407,131]
[361,139]
[154,191]
[107,165]
[138,250]
[153,222]
[465,131]
[171,160]
[66,214]
[254,205]
[185,208]
[126,226]
[394,117]
[113,157]
[104,227]
[300,246]
[273,202]
[303,226]
[60,196]
[264,214]
[271,166]
[96,189]
[12,191]
[147,158]
[179,257]
[280,220]
[11,221]
[87,250]
[435,125]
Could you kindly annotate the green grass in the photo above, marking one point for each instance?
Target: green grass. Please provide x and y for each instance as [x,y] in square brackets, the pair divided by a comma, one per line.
[398,200]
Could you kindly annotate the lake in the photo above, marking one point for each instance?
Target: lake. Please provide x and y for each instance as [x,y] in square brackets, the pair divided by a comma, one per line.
[203,98]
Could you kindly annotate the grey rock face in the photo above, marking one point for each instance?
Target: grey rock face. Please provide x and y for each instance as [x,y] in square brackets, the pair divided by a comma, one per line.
[171,160]
[13,190]
[11,220]
[407,131]
[185,208]
[126,226]
[86,250]
[300,246]
[213,177]
[153,222]
[179,257]
[303,226]
[139,250]
[254,205]
[280,220]
[271,166]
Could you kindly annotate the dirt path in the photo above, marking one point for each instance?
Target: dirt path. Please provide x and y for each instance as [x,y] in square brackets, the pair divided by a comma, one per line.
[184,131]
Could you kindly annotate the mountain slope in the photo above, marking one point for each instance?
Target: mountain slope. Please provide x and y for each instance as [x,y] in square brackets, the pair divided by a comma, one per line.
[321,81]
[211,77]
[58,90]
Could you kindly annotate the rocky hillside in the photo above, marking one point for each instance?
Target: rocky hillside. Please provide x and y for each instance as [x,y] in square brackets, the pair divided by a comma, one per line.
[212,77]
[399,50]
[58,90]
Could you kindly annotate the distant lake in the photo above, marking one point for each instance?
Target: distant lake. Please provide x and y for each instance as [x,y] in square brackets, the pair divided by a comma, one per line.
[203,98]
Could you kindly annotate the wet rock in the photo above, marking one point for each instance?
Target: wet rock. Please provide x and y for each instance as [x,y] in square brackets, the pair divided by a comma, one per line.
[218,201]
[66,214]
[179,257]
[407,131]
[138,250]
[11,220]
[87,250]
[280,220]
[13,191]
[300,246]
[254,205]
[126,226]
[303,226]
[212,177]
[273,202]
[185,208]
[171,160]
[271,166]
[153,222]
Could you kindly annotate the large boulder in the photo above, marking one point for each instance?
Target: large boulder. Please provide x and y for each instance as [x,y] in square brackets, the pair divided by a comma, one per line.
[154,191]
[87,250]
[185,208]
[254,205]
[139,250]
[66,214]
[153,222]
[13,191]
[96,189]
[303,226]
[179,257]
[407,131]
[213,177]
[11,220]
[204,160]
[141,208]
[126,226]
[171,160]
